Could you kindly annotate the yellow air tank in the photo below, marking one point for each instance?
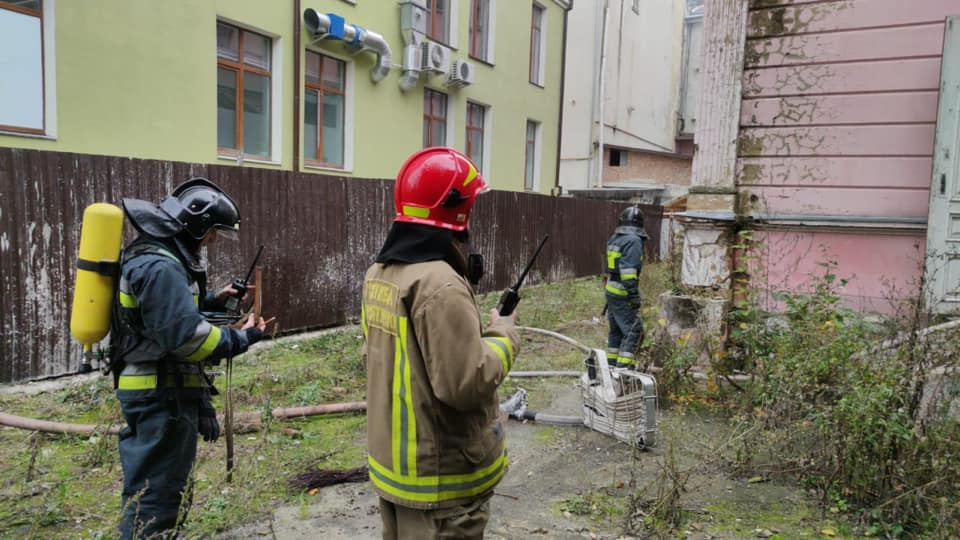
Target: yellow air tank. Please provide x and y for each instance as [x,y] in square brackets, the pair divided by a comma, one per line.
[100,237]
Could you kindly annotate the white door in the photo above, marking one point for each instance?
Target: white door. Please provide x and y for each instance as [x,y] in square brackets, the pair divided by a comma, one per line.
[943,226]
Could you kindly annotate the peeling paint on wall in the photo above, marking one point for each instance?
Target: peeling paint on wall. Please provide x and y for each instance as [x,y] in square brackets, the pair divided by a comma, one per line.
[704,258]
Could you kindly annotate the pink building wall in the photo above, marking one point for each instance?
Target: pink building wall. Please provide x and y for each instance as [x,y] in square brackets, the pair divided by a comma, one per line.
[837,125]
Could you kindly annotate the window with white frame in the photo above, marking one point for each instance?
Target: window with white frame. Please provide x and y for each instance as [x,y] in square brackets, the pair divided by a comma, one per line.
[22,107]
[244,101]
[537,49]
[476,121]
[438,20]
[434,118]
[324,112]
[481,29]
[531,169]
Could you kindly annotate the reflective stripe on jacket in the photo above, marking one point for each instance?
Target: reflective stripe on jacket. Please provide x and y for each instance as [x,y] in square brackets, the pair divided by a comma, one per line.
[433,429]
[159,302]
[624,261]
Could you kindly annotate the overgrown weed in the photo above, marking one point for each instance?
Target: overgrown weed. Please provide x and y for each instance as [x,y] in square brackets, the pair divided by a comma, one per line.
[836,411]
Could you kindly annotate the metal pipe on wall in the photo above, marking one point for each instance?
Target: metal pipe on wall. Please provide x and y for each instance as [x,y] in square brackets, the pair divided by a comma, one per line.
[330,26]
[602,96]
[298,84]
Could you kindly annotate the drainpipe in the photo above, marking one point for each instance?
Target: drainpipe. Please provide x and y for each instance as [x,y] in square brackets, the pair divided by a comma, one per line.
[563,78]
[332,26]
[297,86]
[603,66]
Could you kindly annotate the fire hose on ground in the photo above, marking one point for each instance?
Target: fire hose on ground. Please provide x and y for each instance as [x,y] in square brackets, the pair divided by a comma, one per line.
[515,406]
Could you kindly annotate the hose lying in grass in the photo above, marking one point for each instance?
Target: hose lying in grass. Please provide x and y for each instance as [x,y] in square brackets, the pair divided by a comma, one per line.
[244,422]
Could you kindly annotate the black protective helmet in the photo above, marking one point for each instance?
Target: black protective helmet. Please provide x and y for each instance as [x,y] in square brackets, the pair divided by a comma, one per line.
[199,205]
[632,216]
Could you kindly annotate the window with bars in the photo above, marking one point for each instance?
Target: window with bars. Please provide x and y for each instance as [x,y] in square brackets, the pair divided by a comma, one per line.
[480,29]
[530,169]
[536,45]
[22,107]
[434,118]
[324,115]
[438,20]
[243,92]
[475,125]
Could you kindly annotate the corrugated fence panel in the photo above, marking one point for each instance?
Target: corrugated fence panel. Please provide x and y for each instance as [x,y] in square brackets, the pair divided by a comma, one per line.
[320,234]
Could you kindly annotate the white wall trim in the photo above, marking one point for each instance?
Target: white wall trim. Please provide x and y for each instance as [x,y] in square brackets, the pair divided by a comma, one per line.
[487,138]
[537,155]
[451,139]
[491,33]
[276,102]
[542,75]
[49,69]
[453,24]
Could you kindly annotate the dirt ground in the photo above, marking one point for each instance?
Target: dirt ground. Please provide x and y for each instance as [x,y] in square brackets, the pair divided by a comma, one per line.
[553,465]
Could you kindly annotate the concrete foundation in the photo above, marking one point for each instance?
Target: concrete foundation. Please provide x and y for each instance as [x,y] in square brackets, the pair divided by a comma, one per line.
[693,321]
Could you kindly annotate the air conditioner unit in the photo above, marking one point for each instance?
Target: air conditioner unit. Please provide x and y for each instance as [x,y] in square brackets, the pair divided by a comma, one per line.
[461,74]
[436,57]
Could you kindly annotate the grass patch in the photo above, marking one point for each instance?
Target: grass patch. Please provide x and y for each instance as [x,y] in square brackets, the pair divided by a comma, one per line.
[69,486]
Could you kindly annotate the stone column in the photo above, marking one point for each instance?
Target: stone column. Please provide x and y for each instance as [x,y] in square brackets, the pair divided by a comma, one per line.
[711,203]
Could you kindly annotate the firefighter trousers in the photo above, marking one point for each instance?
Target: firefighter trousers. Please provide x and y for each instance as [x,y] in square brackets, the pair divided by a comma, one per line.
[466,521]
[626,330]
[158,447]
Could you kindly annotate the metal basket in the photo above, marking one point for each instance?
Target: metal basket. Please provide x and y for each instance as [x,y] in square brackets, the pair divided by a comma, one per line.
[619,402]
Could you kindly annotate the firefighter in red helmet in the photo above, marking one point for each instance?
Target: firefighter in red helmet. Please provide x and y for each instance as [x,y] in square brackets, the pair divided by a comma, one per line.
[435,442]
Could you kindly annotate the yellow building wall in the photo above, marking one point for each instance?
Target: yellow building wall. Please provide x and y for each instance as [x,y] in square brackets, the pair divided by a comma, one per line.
[138,78]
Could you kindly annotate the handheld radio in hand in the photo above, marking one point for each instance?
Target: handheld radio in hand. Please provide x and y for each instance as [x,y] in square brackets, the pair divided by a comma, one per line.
[511,297]
[232,303]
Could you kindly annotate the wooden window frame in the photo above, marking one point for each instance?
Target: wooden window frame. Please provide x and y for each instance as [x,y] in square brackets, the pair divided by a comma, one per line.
[536,29]
[240,67]
[478,49]
[528,143]
[445,22]
[479,129]
[38,13]
[321,91]
[429,118]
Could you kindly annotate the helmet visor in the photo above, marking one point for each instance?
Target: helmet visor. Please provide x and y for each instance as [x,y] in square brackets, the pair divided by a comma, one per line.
[230,233]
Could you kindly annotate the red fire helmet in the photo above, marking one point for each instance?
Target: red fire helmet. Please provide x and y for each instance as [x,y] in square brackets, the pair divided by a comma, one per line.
[437,187]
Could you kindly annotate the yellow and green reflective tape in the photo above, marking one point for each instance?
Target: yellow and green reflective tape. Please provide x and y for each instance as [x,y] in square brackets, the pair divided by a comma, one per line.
[404,421]
[612,257]
[149,382]
[128,300]
[437,488]
[416,211]
[616,290]
[504,350]
[208,345]
[471,176]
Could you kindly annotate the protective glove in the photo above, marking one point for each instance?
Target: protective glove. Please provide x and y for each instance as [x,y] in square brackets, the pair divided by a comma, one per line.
[207,424]
[253,335]
[635,302]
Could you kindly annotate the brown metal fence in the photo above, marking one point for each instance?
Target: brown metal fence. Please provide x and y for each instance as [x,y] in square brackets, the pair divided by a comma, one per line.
[320,233]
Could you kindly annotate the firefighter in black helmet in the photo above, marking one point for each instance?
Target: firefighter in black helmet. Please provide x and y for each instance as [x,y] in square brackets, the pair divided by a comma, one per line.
[161,343]
[623,265]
